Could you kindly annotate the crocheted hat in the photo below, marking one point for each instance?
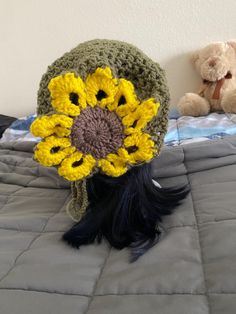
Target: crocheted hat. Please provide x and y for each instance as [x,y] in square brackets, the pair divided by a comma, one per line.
[103,107]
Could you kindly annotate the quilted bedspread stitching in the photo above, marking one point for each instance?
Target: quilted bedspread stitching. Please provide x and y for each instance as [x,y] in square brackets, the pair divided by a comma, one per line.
[32,241]
[199,237]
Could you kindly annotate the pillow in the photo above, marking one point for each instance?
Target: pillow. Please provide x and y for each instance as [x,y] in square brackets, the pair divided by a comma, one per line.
[173,113]
[19,130]
[5,122]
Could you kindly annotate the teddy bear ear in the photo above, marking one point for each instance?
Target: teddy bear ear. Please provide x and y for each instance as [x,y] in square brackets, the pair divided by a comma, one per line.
[232,43]
[194,56]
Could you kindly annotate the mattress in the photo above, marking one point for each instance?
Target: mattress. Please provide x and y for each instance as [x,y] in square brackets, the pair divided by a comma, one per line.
[191,270]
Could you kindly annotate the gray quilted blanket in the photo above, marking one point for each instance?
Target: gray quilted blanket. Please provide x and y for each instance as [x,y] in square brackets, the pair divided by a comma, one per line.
[191,271]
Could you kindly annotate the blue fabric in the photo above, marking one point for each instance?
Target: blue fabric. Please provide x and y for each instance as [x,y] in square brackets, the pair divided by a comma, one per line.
[181,130]
[174,114]
[189,129]
[23,123]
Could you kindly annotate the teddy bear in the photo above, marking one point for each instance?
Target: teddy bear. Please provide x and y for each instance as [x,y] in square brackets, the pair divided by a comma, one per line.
[216,64]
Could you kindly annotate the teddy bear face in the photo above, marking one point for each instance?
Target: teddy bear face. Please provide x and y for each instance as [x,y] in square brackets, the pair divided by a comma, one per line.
[216,61]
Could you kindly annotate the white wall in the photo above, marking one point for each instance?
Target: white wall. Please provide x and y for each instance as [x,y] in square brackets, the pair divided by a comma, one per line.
[34,33]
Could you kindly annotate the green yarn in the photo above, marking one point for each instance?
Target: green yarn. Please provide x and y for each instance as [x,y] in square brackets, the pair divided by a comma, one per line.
[79,201]
[125,61]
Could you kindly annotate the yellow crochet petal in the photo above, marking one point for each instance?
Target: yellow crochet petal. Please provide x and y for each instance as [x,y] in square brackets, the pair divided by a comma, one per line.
[101,87]
[137,120]
[68,94]
[139,148]
[55,124]
[77,166]
[113,165]
[125,100]
[53,150]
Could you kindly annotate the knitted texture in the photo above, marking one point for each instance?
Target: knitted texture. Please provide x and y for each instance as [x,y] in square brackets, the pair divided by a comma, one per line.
[79,200]
[125,62]
[103,136]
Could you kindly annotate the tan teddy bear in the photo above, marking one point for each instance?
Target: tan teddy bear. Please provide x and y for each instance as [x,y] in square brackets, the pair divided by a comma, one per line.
[216,63]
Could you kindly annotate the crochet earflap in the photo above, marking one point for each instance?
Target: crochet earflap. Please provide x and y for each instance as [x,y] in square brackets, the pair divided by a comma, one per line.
[102,108]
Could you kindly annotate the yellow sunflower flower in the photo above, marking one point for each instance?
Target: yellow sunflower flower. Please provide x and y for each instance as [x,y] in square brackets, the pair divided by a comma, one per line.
[99,124]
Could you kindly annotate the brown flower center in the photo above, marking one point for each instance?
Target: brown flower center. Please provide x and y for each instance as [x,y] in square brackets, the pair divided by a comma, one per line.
[97,131]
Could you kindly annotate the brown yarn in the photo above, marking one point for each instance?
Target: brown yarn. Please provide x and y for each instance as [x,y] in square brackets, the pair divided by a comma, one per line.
[97,131]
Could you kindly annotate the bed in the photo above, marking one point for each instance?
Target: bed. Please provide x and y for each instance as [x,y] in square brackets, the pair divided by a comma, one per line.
[192,270]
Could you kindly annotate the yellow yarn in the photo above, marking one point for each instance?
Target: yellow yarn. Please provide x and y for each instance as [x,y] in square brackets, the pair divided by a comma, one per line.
[144,146]
[101,80]
[144,113]
[119,96]
[74,173]
[47,125]
[53,150]
[125,90]
[61,87]
[113,165]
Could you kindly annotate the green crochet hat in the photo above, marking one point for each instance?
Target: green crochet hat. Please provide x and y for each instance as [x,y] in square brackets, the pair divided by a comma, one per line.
[103,107]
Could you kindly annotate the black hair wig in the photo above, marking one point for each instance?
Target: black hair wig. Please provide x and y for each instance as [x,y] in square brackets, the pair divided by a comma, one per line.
[126,211]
